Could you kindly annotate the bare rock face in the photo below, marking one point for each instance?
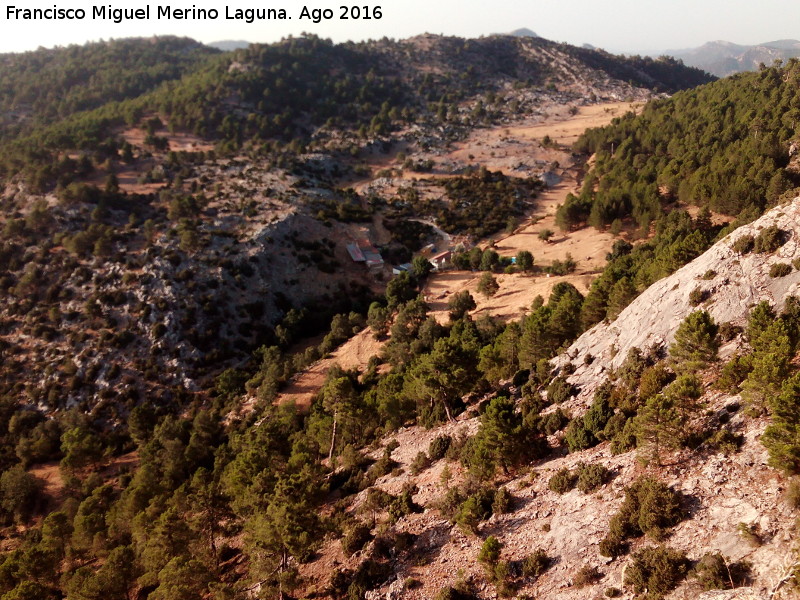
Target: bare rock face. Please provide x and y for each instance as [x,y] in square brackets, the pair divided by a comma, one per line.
[733,284]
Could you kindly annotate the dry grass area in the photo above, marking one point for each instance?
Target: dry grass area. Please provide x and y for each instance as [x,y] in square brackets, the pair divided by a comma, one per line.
[517,292]
[178,142]
[135,136]
[565,129]
[716,218]
[353,354]
[52,482]
[587,246]
[53,488]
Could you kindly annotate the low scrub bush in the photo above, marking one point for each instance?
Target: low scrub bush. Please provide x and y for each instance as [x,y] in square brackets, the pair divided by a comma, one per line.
[780,270]
[535,563]
[656,571]
[650,508]
[563,481]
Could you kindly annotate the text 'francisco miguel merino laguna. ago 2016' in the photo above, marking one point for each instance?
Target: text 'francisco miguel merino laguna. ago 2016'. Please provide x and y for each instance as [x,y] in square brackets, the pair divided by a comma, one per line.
[168,12]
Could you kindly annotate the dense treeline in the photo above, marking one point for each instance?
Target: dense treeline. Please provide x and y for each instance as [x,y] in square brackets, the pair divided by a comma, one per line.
[170,524]
[239,504]
[480,204]
[40,87]
[725,146]
[222,503]
[663,74]
[286,93]
[632,269]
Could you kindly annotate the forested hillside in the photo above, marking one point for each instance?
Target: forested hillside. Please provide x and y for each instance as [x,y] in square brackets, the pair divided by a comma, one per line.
[306,90]
[169,262]
[727,147]
[41,87]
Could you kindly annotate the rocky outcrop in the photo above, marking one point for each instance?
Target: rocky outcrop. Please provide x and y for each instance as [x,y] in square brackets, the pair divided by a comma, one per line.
[733,283]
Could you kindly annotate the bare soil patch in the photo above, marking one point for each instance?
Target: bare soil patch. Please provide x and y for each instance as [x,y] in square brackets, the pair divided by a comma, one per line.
[353,354]
[517,292]
[178,142]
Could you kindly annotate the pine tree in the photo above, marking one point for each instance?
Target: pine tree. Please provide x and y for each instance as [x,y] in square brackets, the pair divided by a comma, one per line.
[487,285]
[683,393]
[337,398]
[524,260]
[378,319]
[500,438]
[696,342]
[285,532]
[443,376]
[460,304]
[622,294]
[658,427]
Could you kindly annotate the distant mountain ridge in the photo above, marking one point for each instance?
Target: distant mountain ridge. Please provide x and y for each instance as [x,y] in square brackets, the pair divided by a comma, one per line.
[523,32]
[229,45]
[722,58]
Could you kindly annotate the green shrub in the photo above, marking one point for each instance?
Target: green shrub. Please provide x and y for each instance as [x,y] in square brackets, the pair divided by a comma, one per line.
[578,437]
[420,463]
[697,296]
[734,373]
[728,331]
[490,551]
[503,502]
[563,481]
[591,477]
[501,576]
[560,390]
[356,538]
[650,508]
[612,545]
[555,421]
[725,441]
[744,244]
[713,572]
[708,275]
[780,270]
[411,583]
[586,576]
[453,593]
[655,571]
[769,239]
[474,509]
[536,563]
[696,342]
[439,446]
[19,491]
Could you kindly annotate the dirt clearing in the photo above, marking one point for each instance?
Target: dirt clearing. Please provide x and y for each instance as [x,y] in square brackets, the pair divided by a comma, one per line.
[514,298]
[353,354]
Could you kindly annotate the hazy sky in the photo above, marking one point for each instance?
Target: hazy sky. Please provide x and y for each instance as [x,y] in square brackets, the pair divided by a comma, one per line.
[632,26]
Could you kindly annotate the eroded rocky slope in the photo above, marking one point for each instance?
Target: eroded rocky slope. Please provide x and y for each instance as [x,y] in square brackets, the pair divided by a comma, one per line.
[725,490]
[732,282]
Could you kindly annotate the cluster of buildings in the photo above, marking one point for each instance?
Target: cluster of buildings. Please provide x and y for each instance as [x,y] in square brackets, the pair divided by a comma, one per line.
[363,251]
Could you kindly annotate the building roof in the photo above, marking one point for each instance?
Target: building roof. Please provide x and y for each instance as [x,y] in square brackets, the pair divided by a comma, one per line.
[355,253]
